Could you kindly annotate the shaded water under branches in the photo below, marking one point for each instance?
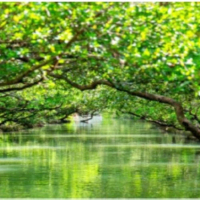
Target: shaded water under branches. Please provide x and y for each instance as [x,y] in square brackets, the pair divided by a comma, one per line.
[111,158]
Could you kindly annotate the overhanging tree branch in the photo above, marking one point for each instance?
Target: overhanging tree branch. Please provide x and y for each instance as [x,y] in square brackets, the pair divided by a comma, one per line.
[179,111]
[19,78]
[78,32]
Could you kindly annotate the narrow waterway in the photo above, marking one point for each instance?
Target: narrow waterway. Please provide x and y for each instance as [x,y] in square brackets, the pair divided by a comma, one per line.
[109,158]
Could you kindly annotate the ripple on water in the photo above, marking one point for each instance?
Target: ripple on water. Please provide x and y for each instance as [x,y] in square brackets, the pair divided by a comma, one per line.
[169,146]
[8,168]
[12,160]
[19,148]
[96,136]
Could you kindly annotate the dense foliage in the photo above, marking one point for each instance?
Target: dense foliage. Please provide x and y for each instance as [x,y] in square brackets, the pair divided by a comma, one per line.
[144,58]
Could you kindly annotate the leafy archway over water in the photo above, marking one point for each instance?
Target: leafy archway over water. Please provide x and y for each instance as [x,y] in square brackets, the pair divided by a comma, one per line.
[142,58]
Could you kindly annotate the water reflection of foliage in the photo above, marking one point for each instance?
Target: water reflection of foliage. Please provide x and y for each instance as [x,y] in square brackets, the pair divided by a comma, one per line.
[99,167]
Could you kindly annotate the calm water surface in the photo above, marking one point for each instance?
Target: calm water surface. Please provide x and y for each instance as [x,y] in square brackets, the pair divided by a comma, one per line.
[102,159]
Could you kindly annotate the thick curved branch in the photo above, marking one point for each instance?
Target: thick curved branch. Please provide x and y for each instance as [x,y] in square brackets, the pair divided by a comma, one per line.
[20,77]
[183,121]
[160,123]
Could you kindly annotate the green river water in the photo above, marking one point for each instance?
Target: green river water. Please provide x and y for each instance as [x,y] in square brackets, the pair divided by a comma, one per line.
[109,158]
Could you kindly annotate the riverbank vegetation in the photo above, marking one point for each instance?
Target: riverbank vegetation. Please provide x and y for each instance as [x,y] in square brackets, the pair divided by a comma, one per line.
[57,59]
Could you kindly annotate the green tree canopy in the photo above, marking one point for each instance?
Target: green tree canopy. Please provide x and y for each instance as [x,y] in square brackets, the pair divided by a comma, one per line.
[135,51]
